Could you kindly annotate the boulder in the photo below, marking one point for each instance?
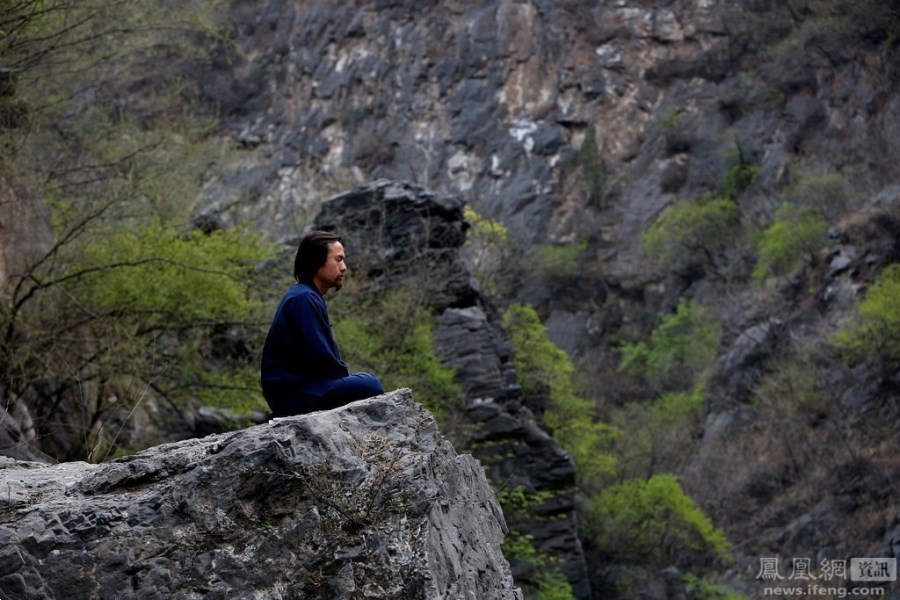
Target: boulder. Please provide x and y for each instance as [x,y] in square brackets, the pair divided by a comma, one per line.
[364,501]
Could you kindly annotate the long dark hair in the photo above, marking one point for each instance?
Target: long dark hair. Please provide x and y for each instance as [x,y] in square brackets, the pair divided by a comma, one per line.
[312,253]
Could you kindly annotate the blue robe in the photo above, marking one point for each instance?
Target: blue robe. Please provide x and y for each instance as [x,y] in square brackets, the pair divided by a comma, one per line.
[301,368]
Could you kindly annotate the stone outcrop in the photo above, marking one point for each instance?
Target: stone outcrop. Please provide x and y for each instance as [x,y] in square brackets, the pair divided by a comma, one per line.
[399,231]
[364,501]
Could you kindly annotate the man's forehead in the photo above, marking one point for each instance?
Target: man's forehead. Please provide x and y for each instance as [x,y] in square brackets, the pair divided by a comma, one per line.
[335,248]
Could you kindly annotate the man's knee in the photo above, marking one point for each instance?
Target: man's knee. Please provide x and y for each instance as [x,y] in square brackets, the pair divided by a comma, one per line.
[371,383]
[355,386]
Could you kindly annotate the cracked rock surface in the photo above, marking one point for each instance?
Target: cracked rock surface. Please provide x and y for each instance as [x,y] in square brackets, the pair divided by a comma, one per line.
[364,501]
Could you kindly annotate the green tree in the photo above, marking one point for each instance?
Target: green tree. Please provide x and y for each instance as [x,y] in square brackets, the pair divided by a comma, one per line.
[694,234]
[658,433]
[654,520]
[491,254]
[592,167]
[123,301]
[874,334]
[118,316]
[795,235]
[549,582]
[739,176]
[545,373]
[393,337]
[679,351]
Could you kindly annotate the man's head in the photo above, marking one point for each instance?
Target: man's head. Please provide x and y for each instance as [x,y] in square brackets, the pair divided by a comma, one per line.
[320,260]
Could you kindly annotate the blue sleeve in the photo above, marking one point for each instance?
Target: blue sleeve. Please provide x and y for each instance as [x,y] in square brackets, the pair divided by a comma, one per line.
[307,314]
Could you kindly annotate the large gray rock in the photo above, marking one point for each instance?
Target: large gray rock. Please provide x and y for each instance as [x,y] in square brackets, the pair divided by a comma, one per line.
[364,501]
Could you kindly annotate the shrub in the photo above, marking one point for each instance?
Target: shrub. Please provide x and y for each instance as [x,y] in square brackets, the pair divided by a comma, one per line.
[654,520]
[658,432]
[491,254]
[592,166]
[828,192]
[556,265]
[875,332]
[395,341]
[545,371]
[693,234]
[114,315]
[680,349]
[796,234]
[549,582]
[739,177]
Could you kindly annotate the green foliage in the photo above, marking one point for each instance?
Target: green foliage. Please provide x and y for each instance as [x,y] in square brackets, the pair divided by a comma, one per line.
[546,372]
[556,265]
[161,279]
[875,332]
[592,166]
[828,193]
[518,504]
[797,232]
[394,339]
[549,582]
[739,177]
[702,589]
[658,431]
[489,252]
[493,232]
[552,585]
[680,349]
[693,234]
[653,520]
[118,315]
[118,302]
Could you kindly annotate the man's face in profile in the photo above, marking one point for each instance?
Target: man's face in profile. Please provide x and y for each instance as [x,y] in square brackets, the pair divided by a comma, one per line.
[331,274]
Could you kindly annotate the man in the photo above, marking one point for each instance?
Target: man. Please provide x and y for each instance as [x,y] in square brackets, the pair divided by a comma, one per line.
[302,370]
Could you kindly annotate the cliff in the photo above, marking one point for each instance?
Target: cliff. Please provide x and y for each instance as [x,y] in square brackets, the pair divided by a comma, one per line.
[365,501]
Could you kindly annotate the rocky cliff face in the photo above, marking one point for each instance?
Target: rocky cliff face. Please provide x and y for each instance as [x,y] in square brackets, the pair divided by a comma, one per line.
[491,101]
[365,501]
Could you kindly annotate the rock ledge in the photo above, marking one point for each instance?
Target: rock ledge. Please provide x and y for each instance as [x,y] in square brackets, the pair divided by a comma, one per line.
[365,501]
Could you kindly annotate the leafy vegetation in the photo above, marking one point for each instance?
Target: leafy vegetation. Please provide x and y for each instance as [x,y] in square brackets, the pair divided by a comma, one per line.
[694,234]
[795,235]
[490,254]
[653,520]
[828,193]
[546,372]
[592,167]
[875,332]
[631,519]
[117,300]
[739,176]
[556,265]
[549,582]
[680,349]
[658,432]
[393,337]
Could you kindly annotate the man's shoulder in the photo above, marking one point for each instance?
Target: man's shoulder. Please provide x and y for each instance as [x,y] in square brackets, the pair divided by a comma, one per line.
[304,294]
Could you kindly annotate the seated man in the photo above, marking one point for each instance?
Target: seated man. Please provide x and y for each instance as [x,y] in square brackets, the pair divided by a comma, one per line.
[302,370]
